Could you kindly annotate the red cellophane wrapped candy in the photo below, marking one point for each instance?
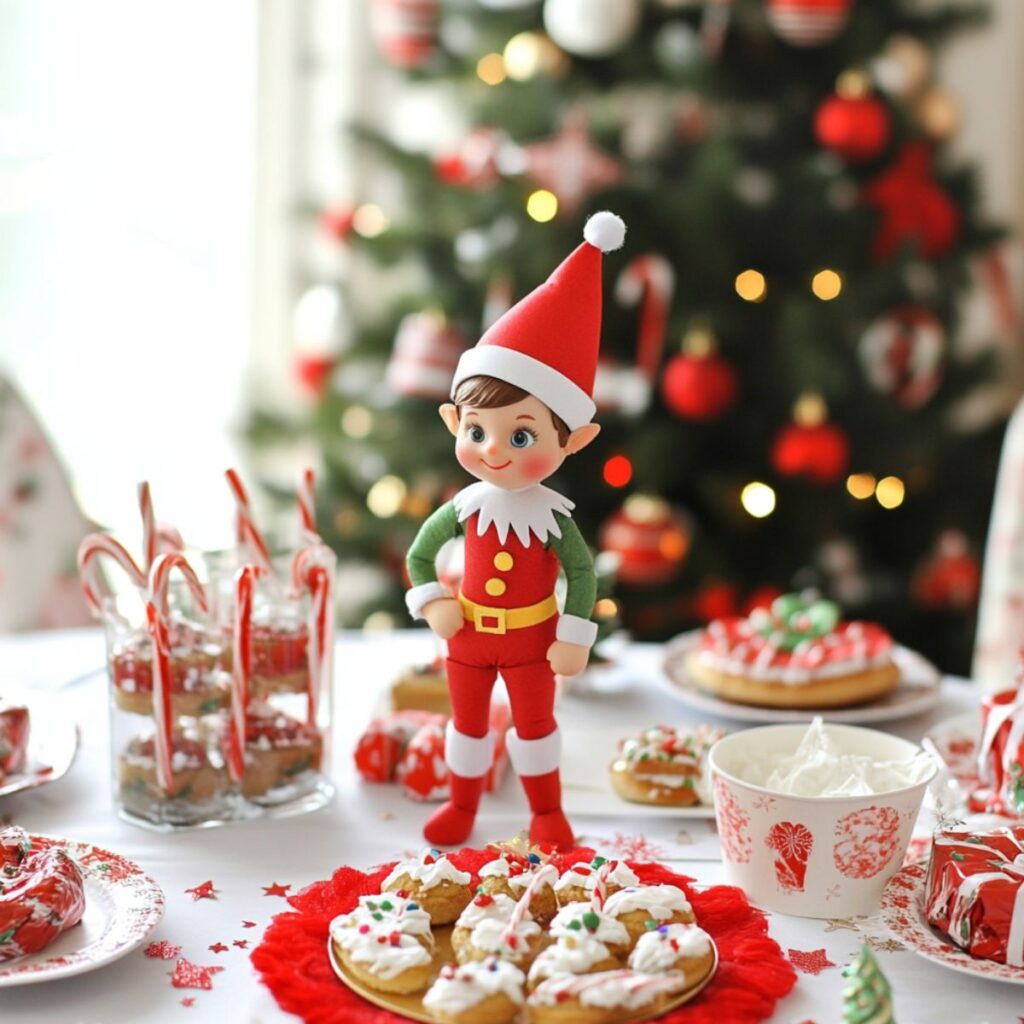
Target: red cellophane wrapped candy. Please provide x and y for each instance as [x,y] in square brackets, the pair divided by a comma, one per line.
[975,891]
[1001,755]
[13,738]
[41,894]
[381,746]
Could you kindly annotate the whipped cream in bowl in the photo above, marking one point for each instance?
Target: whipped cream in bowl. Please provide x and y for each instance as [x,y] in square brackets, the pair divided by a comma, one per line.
[815,818]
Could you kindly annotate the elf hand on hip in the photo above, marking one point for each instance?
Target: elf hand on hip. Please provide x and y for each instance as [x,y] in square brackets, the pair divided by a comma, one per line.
[521,404]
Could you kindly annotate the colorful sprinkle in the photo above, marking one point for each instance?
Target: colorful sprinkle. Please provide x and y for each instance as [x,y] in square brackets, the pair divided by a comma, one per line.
[591,921]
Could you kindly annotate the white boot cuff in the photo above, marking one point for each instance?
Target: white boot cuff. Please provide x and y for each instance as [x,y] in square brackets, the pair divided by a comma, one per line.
[535,757]
[468,756]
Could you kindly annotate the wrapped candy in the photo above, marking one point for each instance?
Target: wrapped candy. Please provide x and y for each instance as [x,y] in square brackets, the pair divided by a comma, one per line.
[975,891]
[381,746]
[14,725]
[1001,755]
[422,771]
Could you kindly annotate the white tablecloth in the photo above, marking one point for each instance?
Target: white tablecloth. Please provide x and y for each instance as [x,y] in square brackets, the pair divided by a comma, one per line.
[367,825]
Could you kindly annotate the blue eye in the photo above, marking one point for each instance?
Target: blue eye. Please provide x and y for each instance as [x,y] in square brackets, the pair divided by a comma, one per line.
[522,438]
[476,434]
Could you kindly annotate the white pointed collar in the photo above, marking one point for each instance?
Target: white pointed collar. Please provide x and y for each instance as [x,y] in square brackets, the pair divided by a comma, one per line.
[530,510]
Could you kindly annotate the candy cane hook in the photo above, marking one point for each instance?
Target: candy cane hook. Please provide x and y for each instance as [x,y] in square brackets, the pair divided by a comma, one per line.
[648,281]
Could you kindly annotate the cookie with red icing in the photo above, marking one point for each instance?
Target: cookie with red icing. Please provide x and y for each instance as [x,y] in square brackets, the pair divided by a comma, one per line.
[278,750]
[797,654]
[194,780]
[14,730]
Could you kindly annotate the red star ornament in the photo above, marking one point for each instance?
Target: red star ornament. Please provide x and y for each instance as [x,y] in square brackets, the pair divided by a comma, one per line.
[189,975]
[812,961]
[248,924]
[570,165]
[162,950]
[275,889]
[218,947]
[205,891]
[241,943]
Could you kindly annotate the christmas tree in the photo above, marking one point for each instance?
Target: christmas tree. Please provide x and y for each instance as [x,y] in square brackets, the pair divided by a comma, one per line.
[780,393]
[868,997]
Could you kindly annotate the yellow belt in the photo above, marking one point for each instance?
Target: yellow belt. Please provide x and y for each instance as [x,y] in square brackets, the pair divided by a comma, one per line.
[486,619]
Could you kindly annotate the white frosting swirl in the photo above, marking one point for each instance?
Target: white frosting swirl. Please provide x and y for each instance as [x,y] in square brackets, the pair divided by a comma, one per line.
[458,989]
[394,912]
[498,907]
[607,989]
[493,936]
[429,869]
[607,930]
[501,868]
[383,950]
[584,876]
[661,950]
[575,954]
[660,901]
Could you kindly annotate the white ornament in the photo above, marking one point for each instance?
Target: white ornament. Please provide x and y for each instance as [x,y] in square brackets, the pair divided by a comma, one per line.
[591,28]
[319,323]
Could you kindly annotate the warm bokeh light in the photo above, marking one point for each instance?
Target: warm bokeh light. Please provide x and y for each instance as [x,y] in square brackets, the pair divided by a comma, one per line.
[861,485]
[809,410]
[523,55]
[853,85]
[542,205]
[826,285]
[369,220]
[645,508]
[357,422]
[606,608]
[618,471]
[490,69]
[758,499]
[751,285]
[890,492]
[699,342]
[673,545]
[385,497]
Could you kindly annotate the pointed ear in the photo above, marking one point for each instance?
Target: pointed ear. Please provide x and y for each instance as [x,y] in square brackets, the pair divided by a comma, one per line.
[581,437]
[450,414]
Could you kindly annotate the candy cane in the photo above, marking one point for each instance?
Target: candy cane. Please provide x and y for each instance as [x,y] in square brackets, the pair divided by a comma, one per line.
[650,281]
[601,885]
[241,668]
[547,875]
[248,533]
[150,538]
[94,545]
[313,569]
[168,538]
[305,497]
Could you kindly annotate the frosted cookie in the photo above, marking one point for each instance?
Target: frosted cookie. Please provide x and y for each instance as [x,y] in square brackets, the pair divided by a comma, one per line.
[194,779]
[510,874]
[394,912]
[664,766]
[610,997]
[581,920]
[280,651]
[577,883]
[422,688]
[517,940]
[278,749]
[797,655]
[572,954]
[381,955]
[484,907]
[683,948]
[436,884]
[199,683]
[640,908]
[486,991]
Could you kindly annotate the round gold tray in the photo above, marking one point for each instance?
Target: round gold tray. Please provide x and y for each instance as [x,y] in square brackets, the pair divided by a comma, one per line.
[411,1006]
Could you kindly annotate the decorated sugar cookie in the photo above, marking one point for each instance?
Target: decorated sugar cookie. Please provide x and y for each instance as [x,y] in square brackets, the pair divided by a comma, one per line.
[577,883]
[509,875]
[431,879]
[674,947]
[600,998]
[581,920]
[664,766]
[381,955]
[641,908]
[572,954]
[488,991]
[484,907]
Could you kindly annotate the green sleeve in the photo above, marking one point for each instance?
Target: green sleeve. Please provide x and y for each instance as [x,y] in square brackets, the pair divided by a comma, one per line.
[434,533]
[581,582]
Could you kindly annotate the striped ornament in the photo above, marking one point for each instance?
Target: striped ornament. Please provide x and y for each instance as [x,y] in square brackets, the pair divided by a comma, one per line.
[808,22]
[405,31]
[426,352]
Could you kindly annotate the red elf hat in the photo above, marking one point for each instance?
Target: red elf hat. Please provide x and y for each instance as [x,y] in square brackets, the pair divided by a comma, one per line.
[547,343]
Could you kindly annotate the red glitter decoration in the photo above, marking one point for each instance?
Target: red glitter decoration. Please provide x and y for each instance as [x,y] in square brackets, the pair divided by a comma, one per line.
[218,947]
[205,891]
[811,961]
[276,890]
[162,950]
[189,975]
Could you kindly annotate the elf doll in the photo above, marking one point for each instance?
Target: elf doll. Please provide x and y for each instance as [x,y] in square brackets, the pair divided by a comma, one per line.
[521,404]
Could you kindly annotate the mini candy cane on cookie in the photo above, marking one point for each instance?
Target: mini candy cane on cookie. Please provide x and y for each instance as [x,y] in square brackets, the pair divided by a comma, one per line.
[597,901]
[158,625]
[248,533]
[547,875]
[241,668]
[94,545]
[313,570]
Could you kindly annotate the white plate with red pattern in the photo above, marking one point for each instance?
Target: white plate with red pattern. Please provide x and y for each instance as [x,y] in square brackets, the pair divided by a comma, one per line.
[902,911]
[122,906]
[52,742]
[918,691]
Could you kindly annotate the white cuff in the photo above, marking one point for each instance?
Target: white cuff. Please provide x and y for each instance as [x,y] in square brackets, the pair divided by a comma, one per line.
[535,757]
[572,629]
[468,756]
[417,597]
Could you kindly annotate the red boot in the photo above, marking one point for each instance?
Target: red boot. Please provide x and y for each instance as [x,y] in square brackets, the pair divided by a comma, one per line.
[548,824]
[468,759]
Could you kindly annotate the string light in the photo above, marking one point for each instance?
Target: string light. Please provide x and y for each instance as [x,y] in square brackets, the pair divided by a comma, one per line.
[644,508]
[385,497]
[853,84]
[809,410]
[618,471]
[890,492]
[758,499]
[673,545]
[751,285]
[699,342]
[826,285]
[531,53]
[861,485]
[369,220]
[542,205]
[606,608]
[357,422]
[490,69]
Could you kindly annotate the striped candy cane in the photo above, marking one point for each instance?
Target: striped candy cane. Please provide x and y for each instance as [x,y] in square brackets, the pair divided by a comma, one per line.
[168,538]
[158,626]
[241,668]
[306,499]
[546,875]
[89,551]
[649,281]
[247,532]
[313,570]
[601,885]
[150,537]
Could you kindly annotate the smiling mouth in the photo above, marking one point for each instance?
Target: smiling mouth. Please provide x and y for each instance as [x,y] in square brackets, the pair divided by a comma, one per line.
[502,466]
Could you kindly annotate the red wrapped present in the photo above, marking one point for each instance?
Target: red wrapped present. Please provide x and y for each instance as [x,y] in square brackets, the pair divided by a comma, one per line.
[1001,755]
[14,722]
[380,748]
[974,891]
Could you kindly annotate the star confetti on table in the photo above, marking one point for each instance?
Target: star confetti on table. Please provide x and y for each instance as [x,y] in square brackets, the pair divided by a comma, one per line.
[836,924]
[218,947]
[205,891]
[241,943]
[248,924]
[275,890]
[811,961]
[189,975]
[188,1001]
[162,950]
[886,945]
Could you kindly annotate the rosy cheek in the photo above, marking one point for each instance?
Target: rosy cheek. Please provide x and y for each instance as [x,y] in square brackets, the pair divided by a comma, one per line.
[539,467]
[466,454]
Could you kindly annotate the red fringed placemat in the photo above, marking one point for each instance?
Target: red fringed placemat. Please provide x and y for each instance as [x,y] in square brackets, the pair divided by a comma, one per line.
[752,973]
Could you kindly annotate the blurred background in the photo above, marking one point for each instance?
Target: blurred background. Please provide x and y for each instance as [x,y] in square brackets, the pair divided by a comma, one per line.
[261,233]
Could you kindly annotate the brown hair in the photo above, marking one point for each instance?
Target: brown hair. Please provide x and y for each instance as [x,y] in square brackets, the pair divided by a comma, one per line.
[490,393]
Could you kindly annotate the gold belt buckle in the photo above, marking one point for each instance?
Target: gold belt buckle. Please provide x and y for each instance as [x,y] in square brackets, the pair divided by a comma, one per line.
[489,620]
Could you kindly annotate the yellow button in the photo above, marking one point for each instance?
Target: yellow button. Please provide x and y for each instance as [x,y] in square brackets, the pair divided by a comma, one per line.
[503,561]
[495,587]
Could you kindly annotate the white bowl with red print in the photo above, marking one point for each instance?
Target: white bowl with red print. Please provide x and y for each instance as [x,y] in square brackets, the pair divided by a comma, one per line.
[811,856]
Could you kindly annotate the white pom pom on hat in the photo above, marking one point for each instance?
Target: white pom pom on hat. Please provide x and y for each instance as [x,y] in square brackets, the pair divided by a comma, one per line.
[605,231]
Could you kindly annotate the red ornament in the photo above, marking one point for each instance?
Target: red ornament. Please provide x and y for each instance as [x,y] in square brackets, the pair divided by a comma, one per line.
[857,128]
[912,207]
[312,372]
[902,355]
[808,22]
[762,597]
[425,354]
[475,163]
[810,446]
[337,222]
[698,387]
[950,578]
[651,540]
[405,31]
